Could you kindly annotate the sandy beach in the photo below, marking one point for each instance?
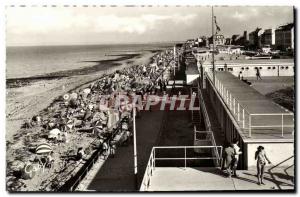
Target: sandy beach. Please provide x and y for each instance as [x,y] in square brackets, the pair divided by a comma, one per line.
[24,102]
[27,99]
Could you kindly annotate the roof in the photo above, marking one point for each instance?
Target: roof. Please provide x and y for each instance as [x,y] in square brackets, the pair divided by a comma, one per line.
[253,61]
[285,27]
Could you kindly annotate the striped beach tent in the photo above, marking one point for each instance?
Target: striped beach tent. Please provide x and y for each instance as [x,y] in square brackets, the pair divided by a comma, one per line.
[43,148]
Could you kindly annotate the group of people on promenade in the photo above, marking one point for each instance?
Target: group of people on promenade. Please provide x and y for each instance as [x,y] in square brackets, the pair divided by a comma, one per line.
[231,159]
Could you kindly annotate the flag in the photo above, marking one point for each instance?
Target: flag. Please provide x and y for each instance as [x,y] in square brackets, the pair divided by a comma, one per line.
[217,26]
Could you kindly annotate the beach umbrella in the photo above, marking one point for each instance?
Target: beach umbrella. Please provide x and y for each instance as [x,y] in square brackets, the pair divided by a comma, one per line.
[87,91]
[74,95]
[43,148]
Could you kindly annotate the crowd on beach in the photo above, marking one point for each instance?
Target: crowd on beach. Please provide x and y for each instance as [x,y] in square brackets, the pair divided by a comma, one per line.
[80,121]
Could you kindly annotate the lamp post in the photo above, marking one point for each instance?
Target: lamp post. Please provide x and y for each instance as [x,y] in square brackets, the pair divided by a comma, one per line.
[135,149]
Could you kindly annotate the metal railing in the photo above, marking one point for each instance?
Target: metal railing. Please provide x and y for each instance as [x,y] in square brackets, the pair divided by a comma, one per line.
[151,165]
[204,110]
[243,117]
[73,182]
[209,136]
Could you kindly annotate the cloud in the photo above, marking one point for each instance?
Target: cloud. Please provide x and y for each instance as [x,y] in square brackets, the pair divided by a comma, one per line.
[40,25]
[47,20]
[239,16]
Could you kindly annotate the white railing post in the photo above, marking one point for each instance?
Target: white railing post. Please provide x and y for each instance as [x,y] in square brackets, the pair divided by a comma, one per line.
[238,111]
[249,125]
[230,101]
[154,158]
[281,125]
[227,96]
[185,157]
[233,106]
[222,91]
[243,118]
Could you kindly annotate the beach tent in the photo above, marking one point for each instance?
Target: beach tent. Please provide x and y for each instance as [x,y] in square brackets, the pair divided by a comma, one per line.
[54,133]
[43,148]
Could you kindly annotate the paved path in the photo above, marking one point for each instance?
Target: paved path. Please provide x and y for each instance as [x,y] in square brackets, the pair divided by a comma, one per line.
[207,179]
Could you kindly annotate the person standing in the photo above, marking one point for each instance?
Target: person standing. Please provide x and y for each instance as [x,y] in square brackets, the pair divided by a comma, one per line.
[241,75]
[237,153]
[228,159]
[258,74]
[261,157]
[225,67]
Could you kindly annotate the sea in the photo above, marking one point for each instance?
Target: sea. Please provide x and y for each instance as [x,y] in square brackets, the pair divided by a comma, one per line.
[29,61]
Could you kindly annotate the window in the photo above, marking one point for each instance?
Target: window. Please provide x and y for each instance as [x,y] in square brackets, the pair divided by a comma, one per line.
[230,69]
[247,68]
[243,68]
[274,67]
[282,67]
[220,69]
[286,67]
[260,67]
[269,68]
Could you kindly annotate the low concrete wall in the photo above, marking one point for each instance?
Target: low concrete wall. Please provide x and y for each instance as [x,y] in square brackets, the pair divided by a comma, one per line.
[278,153]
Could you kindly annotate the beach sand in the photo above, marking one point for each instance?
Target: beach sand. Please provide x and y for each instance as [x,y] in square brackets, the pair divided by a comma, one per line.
[25,101]
[22,103]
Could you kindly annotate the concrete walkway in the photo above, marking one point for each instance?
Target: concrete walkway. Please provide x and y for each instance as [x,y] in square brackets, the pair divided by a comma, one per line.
[213,179]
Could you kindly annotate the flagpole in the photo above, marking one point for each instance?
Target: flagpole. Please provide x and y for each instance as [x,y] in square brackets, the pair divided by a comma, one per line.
[213,38]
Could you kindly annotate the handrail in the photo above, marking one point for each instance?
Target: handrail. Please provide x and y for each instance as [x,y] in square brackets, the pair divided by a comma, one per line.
[147,179]
[72,183]
[203,106]
[213,141]
[146,182]
[239,111]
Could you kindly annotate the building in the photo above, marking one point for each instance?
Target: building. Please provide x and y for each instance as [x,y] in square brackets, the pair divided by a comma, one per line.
[284,37]
[219,40]
[255,38]
[268,37]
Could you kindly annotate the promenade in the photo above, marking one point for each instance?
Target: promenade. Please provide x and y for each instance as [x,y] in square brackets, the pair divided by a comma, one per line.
[213,179]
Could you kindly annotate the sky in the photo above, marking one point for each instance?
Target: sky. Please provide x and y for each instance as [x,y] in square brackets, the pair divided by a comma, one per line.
[112,25]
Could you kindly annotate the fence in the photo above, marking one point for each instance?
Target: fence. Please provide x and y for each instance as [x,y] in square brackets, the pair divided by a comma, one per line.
[154,157]
[72,183]
[245,119]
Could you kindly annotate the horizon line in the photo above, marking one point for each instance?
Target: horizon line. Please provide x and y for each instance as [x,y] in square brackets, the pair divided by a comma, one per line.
[91,44]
